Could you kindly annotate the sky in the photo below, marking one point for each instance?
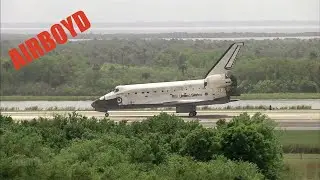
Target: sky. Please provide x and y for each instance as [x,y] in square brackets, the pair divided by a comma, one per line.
[19,11]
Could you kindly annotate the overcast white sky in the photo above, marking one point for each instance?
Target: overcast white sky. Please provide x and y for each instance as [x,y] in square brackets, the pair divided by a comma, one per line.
[160,10]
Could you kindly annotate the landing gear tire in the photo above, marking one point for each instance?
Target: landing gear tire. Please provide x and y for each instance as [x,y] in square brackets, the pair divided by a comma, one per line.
[106,114]
[192,114]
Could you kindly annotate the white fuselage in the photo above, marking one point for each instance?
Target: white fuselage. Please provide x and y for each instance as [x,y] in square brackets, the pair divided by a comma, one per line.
[177,92]
[216,88]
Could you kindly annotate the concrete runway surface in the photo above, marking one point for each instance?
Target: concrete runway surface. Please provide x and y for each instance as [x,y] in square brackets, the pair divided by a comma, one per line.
[286,119]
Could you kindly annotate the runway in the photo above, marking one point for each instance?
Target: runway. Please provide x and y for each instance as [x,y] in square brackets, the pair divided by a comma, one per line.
[287,119]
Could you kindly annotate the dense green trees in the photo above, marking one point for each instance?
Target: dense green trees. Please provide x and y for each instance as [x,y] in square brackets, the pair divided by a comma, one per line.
[94,67]
[245,139]
[161,147]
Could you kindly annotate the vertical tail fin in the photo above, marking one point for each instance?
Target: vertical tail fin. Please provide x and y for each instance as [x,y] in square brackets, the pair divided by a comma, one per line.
[225,63]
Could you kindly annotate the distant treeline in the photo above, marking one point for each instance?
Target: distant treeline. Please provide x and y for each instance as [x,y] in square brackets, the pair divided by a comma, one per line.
[95,67]
[198,35]
[171,35]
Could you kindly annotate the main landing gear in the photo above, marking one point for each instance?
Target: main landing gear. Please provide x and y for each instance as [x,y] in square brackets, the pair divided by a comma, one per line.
[192,113]
[191,109]
[106,114]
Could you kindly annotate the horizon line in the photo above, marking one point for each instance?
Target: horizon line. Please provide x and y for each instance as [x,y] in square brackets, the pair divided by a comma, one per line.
[191,21]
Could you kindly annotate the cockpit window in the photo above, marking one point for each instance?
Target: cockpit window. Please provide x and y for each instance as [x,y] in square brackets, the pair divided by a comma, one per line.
[116,90]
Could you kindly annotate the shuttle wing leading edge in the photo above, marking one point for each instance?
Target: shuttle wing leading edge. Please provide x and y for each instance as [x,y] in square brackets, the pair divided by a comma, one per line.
[186,101]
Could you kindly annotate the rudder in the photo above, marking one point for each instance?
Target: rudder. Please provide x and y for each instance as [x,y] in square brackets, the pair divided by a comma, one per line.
[225,63]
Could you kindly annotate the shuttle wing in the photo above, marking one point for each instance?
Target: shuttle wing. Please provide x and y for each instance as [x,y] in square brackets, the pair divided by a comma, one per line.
[185,101]
[190,101]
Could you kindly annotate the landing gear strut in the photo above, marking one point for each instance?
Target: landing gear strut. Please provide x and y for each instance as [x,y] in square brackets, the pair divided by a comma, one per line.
[106,114]
[192,113]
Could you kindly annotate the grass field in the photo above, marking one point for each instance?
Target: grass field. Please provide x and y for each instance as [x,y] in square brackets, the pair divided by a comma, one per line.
[243,97]
[311,138]
[303,166]
[300,141]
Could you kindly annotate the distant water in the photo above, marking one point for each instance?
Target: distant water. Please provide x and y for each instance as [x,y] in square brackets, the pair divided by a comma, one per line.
[225,39]
[204,29]
[314,103]
[248,38]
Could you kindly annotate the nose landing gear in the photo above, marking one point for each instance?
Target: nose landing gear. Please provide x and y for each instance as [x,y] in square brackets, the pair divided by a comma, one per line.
[106,114]
[192,113]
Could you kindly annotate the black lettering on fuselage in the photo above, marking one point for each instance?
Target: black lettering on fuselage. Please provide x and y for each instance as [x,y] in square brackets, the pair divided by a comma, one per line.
[189,95]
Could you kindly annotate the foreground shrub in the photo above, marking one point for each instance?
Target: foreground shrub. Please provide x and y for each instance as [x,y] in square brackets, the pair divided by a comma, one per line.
[161,147]
[181,168]
[201,144]
[253,139]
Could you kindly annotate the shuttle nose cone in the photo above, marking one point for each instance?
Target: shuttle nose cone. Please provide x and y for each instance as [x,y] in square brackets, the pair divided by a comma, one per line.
[104,105]
[94,104]
[99,104]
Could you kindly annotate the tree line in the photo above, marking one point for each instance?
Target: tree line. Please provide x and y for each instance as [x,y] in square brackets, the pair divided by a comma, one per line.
[94,67]
[161,147]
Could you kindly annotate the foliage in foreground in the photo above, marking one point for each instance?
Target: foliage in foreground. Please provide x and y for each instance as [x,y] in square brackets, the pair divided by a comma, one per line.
[162,147]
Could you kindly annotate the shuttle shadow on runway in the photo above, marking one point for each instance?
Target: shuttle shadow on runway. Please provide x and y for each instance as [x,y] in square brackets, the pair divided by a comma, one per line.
[208,117]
